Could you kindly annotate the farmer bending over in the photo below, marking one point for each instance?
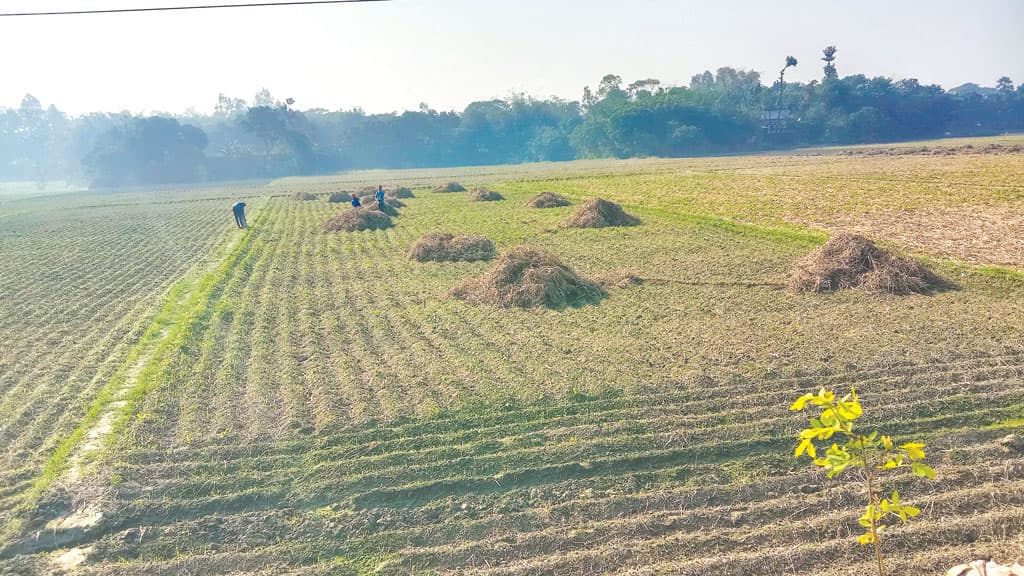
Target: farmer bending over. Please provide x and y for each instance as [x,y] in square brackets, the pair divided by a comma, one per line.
[380,197]
[355,201]
[238,209]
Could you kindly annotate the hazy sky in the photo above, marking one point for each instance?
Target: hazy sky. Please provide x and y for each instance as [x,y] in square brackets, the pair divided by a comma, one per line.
[392,56]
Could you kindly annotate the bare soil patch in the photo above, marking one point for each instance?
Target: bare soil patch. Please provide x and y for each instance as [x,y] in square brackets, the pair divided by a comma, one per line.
[980,234]
[993,148]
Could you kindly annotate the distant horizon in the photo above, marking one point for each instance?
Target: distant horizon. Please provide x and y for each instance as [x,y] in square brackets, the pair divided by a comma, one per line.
[249,101]
[389,57]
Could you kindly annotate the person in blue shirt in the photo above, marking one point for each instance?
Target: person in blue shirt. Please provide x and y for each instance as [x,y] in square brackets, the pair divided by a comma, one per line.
[355,201]
[380,197]
[238,209]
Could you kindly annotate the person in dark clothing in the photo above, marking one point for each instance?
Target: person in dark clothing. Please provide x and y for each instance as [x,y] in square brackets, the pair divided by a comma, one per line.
[380,197]
[355,201]
[238,209]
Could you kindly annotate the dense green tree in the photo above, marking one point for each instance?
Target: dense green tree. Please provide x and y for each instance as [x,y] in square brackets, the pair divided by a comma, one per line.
[728,110]
[152,150]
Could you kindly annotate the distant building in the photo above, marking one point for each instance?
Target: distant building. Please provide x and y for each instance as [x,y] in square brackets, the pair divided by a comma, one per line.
[776,123]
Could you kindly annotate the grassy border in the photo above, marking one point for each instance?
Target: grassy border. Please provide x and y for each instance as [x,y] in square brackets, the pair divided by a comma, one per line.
[196,288]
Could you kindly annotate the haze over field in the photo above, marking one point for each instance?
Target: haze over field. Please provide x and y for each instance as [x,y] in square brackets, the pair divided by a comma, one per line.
[512,288]
[392,56]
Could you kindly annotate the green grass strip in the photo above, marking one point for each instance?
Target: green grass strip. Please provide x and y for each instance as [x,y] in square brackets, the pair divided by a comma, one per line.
[186,300]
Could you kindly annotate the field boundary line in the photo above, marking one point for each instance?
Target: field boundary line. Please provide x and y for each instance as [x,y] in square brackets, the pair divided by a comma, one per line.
[112,408]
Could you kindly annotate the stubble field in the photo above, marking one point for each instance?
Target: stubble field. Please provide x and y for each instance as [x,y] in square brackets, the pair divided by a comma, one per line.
[179,396]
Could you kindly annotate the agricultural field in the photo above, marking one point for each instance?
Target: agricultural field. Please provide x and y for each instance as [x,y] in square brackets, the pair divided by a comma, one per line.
[178,396]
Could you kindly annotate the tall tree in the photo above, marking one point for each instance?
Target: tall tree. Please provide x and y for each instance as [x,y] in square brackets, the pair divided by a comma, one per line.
[830,67]
[1004,85]
[790,63]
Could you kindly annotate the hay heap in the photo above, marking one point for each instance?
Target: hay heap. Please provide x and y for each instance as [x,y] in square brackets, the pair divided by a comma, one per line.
[447,247]
[599,213]
[484,195]
[356,219]
[450,187]
[399,192]
[337,197]
[370,201]
[548,200]
[304,196]
[852,261]
[527,277]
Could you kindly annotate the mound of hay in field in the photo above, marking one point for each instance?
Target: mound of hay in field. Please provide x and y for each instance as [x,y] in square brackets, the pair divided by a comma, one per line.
[527,277]
[548,200]
[852,261]
[304,196]
[356,219]
[450,187]
[338,197]
[399,192]
[599,213]
[370,201]
[448,247]
[618,279]
[484,195]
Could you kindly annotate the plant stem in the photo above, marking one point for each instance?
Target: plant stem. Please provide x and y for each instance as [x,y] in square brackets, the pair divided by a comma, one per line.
[873,502]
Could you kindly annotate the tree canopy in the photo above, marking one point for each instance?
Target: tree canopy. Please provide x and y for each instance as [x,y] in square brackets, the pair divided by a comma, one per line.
[727,111]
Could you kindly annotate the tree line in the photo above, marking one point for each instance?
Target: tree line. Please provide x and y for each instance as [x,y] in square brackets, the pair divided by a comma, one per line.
[728,111]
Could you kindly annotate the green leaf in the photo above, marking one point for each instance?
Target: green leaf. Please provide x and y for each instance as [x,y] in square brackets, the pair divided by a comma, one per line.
[923,470]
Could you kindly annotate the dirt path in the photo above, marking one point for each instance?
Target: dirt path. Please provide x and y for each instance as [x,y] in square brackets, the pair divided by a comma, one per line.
[80,476]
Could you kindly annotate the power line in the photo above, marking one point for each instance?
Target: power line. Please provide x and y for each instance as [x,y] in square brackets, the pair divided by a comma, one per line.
[195,7]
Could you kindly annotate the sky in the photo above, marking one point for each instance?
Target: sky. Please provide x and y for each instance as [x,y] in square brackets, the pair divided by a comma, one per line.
[391,56]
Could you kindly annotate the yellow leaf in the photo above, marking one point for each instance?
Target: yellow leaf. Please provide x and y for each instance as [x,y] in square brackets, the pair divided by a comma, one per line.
[914,450]
[801,402]
[805,446]
[866,538]
[887,442]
